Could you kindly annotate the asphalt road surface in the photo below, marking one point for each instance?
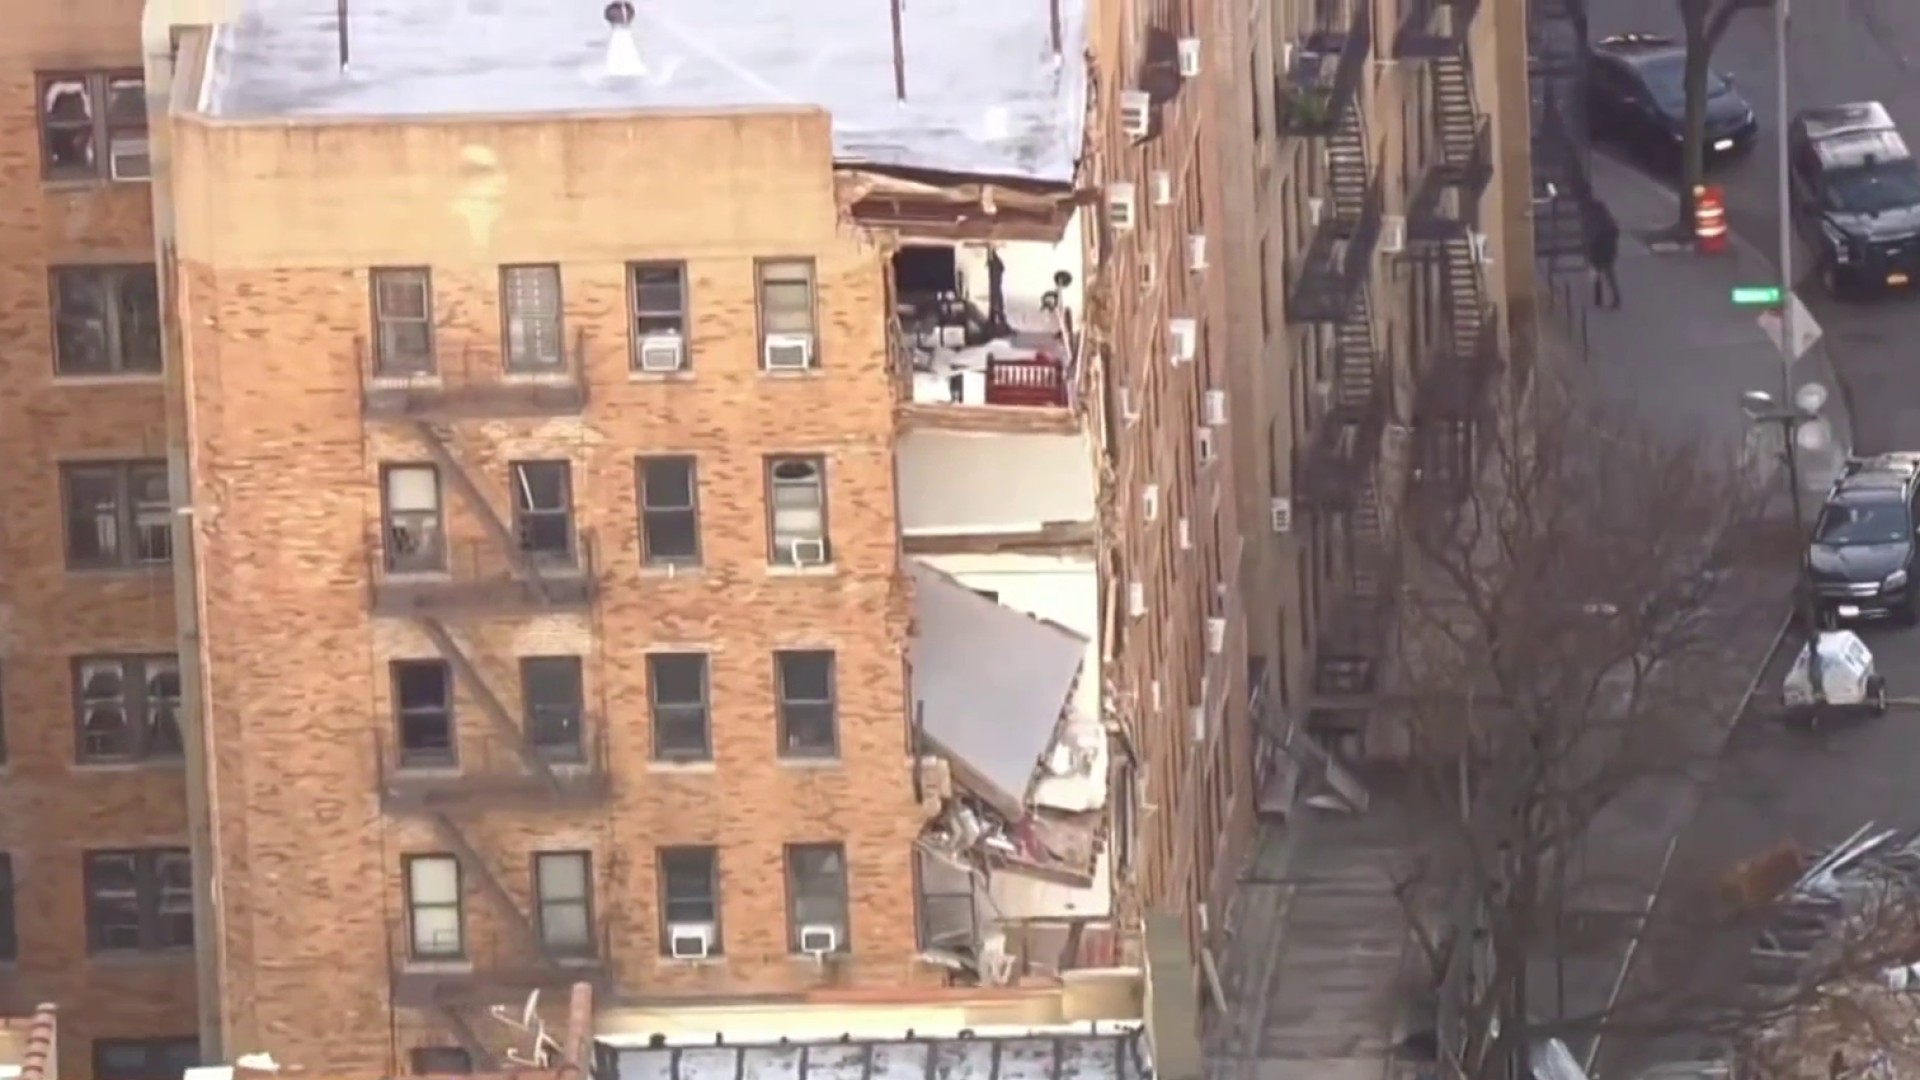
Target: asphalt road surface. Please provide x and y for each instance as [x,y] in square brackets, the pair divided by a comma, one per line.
[1778,784]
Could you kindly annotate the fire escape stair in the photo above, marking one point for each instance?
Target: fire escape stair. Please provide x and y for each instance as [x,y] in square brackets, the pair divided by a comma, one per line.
[1457,116]
[439,444]
[469,674]
[474,866]
[1348,178]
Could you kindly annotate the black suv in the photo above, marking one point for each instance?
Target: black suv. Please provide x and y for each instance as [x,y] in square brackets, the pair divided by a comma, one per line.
[1863,542]
[1637,97]
[1856,197]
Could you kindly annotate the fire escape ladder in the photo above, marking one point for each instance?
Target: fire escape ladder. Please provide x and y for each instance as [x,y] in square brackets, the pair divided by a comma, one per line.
[1456,114]
[483,1059]
[1557,75]
[439,446]
[1348,178]
[1466,303]
[1356,372]
[474,866]
[470,675]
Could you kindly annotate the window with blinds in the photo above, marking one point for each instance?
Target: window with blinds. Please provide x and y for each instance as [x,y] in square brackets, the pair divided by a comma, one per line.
[530,307]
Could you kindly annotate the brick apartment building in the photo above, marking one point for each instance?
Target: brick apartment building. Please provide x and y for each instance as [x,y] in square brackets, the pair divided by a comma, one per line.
[651,508]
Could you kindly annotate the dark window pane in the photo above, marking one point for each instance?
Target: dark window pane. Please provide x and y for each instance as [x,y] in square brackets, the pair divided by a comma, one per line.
[659,299]
[555,703]
[9,936]
[670,528]
[81,299]
[138,311]
[679,691]
[93,516]
[423,712]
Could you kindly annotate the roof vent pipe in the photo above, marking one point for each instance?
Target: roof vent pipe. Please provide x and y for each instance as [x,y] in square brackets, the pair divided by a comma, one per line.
[340,31]
[623,52]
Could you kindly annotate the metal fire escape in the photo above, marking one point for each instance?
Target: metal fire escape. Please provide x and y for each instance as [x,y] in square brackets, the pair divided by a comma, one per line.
[1338,475]
[503,578]
[1454,375]
[1562,151]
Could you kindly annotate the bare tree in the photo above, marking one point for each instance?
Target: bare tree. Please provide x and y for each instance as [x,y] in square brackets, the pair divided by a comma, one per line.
[1703,23]
[1567,638]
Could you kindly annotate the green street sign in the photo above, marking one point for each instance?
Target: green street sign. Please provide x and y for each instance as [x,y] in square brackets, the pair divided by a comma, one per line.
[1756,295]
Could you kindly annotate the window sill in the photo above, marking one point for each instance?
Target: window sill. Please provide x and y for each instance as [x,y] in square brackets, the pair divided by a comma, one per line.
[437,967]
[76,185]
[145,570]
[814,372]
[823,570]
[711,960]
[683,375]
[80,380]
[142,957]
[168,764]
[797,762]
[700,767]
[669,571]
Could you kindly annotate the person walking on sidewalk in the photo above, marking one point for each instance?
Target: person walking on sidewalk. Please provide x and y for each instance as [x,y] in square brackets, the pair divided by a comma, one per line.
[1603,248]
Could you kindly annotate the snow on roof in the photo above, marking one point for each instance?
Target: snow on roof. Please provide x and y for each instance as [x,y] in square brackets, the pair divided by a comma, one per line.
[986,96]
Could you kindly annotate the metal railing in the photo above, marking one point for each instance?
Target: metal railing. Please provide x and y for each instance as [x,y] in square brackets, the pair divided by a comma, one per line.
[490,774]
[474,576]
[479,385]
[1337,263]
[1310,102]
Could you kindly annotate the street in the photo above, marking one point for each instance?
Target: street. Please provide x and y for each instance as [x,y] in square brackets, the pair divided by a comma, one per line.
[1776,783]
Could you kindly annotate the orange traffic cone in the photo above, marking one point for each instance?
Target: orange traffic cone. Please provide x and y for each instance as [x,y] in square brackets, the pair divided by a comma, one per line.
[1709,220]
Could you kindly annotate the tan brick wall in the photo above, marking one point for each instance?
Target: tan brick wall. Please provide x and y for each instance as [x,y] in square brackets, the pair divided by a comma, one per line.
[52,811]
[277,228]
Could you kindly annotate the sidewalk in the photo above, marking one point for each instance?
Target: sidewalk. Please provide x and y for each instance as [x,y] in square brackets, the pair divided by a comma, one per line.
[1315,961]
[1678,354]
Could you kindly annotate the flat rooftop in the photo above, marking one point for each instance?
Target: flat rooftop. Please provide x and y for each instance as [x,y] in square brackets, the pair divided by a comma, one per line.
[986,95]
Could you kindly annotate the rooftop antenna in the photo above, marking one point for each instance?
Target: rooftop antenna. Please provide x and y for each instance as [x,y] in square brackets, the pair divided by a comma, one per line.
[623,52]
[899,55]
[1053,26]
[340,31]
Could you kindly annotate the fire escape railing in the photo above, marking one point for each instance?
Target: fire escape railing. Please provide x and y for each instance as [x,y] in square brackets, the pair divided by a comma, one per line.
[1321,86]
[1446,201]
[1334,269]
[1561,147]
[506,575]
[1433,28]
[1453,395]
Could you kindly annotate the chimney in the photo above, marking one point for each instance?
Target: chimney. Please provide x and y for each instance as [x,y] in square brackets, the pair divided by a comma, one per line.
[623,52]
[340,31]
[899,55]
[1053,26]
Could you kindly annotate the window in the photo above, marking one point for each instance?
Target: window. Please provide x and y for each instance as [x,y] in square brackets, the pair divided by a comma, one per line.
[410,503]
[127,708]
[945,901]
[555,703]
[797,511]
[689,900]
[106,320]
[403,322]
[82,113]
[657,294]
[816,897]
[669,514]
[678,687]
[139,901]
[785,291]
[435,925]
[145,1059]
[543,509]
[423,713]
[530,308]
[118,514]
[9,935]
[563,886]
[806,704]
[440,1061]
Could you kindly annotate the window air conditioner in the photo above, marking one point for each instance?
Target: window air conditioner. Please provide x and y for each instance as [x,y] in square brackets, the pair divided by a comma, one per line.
[1136,113]
[1203,448]
[127,159]
[1216,635]
[1185,533]
[788,352]
[1189,57]
[1393,239]
[1120,206]
[1150,503]
[807,552]
[1197,251]
[1282,511]
[1136,599]
[1162,187]
[818,939]
[1149,273]
[1186,339]
[662,352]
[1479,242]
[1213,406]
[1197,722]
[690,941]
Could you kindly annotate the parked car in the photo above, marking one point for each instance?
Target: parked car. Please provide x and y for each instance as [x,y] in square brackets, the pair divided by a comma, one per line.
[1637,99]
[1856,197]
[1862,552]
